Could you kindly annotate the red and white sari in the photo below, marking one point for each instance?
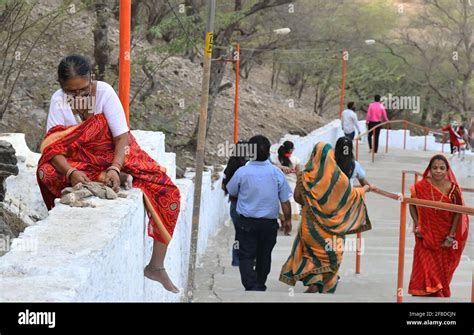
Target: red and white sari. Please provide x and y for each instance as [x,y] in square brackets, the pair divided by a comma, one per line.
[433,265]
[89,147]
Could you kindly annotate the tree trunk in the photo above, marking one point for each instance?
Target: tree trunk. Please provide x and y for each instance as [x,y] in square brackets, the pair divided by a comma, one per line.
[101,46]
[192,10]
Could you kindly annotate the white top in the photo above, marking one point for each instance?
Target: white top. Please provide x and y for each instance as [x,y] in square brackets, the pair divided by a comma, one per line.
[358,173]
[349,121]
[293,159]
[106,101]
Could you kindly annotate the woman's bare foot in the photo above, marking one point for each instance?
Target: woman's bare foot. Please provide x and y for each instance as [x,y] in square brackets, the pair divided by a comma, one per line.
[312,289]
[160,275]
[126,180]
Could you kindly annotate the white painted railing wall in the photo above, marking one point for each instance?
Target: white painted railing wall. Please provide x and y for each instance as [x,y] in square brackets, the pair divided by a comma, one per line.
[98,254]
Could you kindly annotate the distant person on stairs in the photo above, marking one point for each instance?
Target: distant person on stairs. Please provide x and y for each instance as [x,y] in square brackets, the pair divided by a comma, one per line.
[349,121]
[88,139]
[376,114]
[454,138]
[259,186]
[343,153]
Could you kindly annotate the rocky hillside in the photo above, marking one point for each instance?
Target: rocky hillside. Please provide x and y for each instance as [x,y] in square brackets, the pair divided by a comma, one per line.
[166,101]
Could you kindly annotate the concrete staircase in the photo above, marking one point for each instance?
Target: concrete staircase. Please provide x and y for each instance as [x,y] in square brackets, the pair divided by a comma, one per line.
[218,281]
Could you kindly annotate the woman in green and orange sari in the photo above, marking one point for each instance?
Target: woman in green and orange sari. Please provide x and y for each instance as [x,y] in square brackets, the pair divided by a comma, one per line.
[88,140]
[331,209]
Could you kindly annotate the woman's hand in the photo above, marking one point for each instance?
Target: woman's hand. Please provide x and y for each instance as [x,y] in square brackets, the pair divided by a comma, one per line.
[448,242]
[112,180]
[77,177]
[286,169]
[417,231]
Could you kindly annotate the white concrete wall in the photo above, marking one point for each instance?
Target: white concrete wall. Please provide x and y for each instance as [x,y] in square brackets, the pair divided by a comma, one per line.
[332,131]
[98,254]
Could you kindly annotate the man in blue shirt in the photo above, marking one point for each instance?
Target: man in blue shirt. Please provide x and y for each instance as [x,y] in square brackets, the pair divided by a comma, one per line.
[259,187]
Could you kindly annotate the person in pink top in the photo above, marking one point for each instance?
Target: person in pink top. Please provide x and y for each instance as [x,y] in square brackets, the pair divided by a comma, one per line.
[376,114]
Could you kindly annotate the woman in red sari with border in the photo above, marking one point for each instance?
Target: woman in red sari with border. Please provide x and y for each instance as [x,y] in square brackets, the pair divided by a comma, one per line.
[440,235]
[91,142]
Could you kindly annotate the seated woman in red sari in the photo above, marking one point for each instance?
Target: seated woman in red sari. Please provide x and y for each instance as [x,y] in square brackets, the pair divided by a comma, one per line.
[440,236]
[88,140]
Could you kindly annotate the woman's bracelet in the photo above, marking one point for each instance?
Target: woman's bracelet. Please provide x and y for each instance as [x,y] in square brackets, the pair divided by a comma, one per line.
[118,165]
[449,238]
[69,173]
[114,168]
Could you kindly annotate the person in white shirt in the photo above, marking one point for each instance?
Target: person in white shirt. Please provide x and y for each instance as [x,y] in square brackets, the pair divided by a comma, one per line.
[348,165]
[349,121]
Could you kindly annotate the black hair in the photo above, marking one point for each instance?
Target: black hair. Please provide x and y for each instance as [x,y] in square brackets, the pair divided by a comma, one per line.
[350,105]
[73,66]
[377,97]
[285,148]
[263,147]
[344,157]
[236,161]
[440,158]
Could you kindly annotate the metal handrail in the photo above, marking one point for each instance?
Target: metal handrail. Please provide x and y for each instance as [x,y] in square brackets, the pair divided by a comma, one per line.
[406,123]
[404,201]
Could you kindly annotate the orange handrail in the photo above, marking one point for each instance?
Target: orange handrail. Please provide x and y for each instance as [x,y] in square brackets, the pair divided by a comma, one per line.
[403,211]
[405,125]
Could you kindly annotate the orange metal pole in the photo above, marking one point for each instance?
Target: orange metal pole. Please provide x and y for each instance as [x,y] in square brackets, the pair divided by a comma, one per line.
[373,145]
[401,251]
[401,244]
[343,83]
[358,241]
[386,142]
[236,104]
[405,136]
[124,55]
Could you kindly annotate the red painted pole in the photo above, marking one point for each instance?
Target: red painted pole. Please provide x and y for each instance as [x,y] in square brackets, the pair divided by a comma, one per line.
[358,244]
[124,55]
[345,55]
[401,244]
[401,251]
[236,103]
